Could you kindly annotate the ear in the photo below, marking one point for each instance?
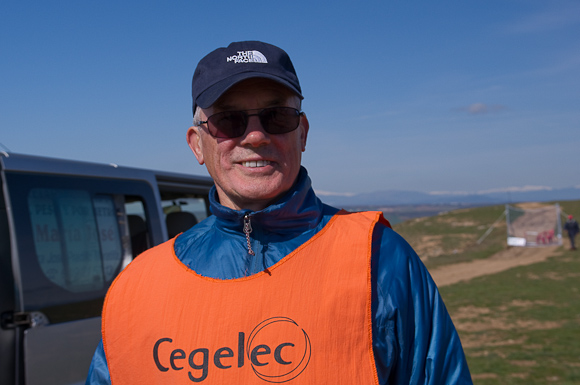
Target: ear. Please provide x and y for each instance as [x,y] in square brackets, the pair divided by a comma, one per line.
[194,141]
[304,126]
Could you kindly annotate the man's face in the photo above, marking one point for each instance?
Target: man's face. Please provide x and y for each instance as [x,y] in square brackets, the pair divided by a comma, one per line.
[252,171]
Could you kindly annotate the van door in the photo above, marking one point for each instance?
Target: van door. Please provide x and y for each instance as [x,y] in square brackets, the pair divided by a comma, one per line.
[73,236]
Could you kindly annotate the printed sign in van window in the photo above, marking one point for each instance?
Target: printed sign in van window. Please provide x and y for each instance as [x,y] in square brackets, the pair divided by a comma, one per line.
[76,237]
[109,239]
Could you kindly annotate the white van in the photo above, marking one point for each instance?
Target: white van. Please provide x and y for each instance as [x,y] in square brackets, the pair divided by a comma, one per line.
[66,230]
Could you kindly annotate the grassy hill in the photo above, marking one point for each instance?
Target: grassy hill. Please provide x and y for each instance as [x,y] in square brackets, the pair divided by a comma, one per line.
[520,326]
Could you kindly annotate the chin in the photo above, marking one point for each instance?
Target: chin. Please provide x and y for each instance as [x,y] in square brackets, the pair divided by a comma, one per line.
[261,195]
[261,192]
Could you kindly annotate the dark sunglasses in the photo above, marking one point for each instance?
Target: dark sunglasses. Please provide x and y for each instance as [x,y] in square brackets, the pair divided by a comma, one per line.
[233,124]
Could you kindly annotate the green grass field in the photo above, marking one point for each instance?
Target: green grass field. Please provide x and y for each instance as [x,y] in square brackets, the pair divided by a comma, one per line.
[520,326]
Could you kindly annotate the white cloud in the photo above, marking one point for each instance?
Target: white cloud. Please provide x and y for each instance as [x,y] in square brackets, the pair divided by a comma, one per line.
[481,108]
[516,189]
[496,190]
[477,108]
[450,193]
[547,20]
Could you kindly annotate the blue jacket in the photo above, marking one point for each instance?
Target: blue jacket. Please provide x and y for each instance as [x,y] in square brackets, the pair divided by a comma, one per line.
[414,339]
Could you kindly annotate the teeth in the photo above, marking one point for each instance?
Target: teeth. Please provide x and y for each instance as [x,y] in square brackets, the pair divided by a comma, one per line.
[259,163]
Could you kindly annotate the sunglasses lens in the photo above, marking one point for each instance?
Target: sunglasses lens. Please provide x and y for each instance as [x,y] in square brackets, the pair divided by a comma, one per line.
[279,120]
[229,124]
[233,124]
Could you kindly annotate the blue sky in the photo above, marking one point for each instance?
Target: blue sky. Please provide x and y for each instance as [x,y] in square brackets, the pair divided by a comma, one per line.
[425,95]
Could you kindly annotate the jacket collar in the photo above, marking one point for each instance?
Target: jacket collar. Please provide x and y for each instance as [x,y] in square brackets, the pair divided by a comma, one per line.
[297,211]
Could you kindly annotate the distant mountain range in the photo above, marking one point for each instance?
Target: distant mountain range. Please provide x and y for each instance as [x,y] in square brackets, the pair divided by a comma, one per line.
[399,198]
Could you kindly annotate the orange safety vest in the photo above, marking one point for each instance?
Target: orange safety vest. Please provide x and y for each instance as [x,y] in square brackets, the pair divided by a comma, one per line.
[307,320]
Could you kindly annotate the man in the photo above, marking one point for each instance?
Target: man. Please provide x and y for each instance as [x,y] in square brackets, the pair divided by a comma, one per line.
[571,226]
[275,287]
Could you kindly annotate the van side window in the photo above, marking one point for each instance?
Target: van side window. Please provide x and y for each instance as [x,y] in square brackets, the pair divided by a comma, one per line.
[182,212]
[72,238]
[137,221]
[76,237]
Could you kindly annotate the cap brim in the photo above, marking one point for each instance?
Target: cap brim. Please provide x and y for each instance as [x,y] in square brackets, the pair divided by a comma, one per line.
[208,97]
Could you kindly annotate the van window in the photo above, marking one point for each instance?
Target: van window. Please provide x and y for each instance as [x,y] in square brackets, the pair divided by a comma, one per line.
[137,220]
[76,237]
[193,205]
[182,211]
[73,236]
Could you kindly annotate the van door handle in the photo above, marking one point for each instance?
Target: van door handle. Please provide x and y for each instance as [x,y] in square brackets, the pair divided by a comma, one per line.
[13,320]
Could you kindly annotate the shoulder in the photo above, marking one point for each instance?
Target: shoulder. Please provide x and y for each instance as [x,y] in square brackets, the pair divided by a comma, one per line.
[194,235]
[397,267]
[391,247]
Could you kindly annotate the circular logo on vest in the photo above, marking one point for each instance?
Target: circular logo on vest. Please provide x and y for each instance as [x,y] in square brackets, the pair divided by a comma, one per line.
[289,344]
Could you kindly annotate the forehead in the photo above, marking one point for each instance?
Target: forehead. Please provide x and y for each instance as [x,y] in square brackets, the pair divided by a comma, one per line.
[256,93]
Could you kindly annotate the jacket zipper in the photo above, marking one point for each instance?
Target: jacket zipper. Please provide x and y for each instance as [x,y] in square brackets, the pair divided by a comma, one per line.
[247,231]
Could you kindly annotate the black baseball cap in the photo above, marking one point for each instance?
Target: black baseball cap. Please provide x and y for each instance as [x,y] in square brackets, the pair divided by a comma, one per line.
[221,69]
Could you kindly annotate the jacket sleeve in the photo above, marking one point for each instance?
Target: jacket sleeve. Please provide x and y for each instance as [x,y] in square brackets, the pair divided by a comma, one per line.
[99,371]
[414,339]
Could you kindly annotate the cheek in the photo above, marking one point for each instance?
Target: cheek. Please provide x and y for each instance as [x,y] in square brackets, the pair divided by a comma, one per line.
[298,146]
[217,157]
[291,150]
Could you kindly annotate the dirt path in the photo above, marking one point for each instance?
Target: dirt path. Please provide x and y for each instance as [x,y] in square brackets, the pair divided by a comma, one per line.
[534,222]
[504,260]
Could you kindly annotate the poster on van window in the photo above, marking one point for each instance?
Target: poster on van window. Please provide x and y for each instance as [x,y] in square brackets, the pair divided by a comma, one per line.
[109,237]
[45,230]
[66,238]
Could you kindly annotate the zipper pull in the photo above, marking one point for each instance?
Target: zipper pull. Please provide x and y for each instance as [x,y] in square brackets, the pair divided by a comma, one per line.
[247,231]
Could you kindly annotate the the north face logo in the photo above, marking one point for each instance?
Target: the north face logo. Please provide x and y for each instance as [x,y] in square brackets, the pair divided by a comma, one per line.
[248,57]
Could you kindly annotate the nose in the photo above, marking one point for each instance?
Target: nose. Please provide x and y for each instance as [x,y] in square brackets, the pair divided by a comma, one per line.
[255,134]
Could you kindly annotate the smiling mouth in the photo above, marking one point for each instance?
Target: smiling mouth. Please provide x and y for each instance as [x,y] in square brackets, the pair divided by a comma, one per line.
[256,163]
